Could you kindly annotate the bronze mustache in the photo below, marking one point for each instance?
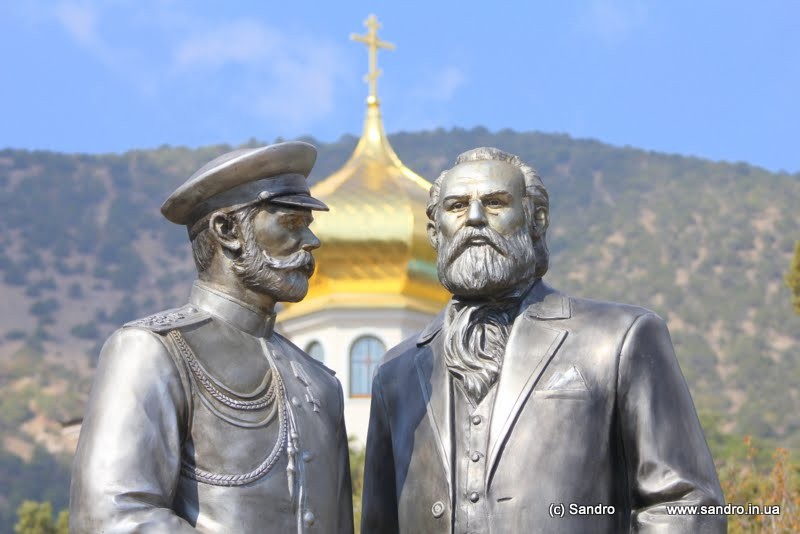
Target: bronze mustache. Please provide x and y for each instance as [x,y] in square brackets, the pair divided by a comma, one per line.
[300,260]
[472,237]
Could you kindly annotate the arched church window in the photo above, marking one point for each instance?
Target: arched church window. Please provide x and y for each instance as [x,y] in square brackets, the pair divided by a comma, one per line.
[315,350]
[365,357]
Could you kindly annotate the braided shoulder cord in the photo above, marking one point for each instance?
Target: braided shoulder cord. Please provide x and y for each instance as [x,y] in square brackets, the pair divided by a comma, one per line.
[202,378]
[220,479]
[275,393]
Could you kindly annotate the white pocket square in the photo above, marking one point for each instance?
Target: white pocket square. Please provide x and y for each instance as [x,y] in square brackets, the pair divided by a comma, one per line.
[567,379]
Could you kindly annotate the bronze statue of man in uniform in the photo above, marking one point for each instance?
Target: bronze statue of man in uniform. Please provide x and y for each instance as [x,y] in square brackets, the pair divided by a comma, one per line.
[201,418]
[522,409]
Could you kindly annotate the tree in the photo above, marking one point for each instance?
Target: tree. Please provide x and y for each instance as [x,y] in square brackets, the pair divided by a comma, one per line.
[357,455]
[775,488]
[37,518]
[62,522]
[793,278]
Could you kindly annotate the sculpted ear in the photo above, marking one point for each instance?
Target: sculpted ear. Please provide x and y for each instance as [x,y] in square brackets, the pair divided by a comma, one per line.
[226,231]
[541,220]
[433,235]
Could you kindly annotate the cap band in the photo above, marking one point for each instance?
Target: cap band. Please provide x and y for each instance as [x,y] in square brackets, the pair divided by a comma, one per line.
[238,196]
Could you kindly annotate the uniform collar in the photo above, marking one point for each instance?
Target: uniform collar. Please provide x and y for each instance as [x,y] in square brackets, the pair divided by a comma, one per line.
[233,311]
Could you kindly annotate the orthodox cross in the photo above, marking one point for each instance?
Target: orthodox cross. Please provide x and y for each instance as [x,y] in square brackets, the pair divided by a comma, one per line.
[373,44]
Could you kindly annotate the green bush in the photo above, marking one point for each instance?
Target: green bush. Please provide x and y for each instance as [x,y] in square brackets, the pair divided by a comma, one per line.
[14,409]
[44,479]
[16,334]
[85,330]
[45,307]
[75,291]
[37,518]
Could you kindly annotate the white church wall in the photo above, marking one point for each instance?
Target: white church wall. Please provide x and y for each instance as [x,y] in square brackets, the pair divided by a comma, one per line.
[337,331]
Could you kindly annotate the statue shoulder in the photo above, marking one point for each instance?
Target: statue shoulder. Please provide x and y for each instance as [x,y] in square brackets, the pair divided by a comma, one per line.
[609,311]
[171,319]
[301,355]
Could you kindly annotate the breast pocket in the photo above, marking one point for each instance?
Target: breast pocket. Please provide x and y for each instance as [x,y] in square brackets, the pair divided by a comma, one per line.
[570,394]
[565,382]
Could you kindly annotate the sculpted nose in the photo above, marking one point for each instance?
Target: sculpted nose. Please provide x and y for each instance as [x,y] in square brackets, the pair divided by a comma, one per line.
[311,242]
[476,216]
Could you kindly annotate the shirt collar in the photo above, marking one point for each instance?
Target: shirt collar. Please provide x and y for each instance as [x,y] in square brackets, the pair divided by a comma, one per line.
[233,311]
[541,302]
[510,304]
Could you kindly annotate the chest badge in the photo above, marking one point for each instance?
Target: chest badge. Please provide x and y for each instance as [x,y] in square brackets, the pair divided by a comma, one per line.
[300,374]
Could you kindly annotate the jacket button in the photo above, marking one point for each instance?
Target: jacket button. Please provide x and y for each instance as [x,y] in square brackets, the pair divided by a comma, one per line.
[308,456]
[474,497]
[309,519]
[437,509]
[475,456]
[476,419]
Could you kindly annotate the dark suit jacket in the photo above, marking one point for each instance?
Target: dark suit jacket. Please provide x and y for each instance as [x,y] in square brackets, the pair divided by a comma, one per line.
[591,409]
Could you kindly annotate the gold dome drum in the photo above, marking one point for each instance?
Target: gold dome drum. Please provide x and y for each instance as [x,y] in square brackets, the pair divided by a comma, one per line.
[375,251]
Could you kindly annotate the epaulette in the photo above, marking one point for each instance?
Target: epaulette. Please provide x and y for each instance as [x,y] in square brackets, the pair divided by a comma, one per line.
[319,364]
[170,319]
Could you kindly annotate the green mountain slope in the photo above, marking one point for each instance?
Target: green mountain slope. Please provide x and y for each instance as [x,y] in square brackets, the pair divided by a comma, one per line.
[703,244]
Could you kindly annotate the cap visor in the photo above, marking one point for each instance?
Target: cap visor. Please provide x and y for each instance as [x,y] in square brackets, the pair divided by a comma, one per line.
[301,201]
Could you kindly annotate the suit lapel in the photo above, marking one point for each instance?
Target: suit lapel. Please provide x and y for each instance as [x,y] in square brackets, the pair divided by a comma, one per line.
[435,385]
[531,346]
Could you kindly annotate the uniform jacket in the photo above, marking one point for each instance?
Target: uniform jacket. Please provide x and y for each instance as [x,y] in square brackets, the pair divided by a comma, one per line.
[185,440]
[591,409]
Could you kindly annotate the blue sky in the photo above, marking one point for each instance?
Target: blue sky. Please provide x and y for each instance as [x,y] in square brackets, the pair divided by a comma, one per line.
[715,79]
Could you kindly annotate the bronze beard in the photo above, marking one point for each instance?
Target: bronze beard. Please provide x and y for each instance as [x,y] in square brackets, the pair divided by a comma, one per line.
[285,279]
[491,277]
[493,271]
[475,339]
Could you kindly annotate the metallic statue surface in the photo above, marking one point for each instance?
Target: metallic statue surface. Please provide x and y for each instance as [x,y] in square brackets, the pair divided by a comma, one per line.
[201,418]
[522,409]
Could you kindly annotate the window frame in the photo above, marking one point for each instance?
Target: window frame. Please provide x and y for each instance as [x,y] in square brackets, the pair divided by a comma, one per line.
[369,363]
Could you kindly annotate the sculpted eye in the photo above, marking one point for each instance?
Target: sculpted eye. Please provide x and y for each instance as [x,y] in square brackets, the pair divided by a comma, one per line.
[494,203]
[293,223]
[457,206]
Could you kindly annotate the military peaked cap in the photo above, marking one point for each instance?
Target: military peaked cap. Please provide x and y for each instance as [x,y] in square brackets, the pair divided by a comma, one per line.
[275,173]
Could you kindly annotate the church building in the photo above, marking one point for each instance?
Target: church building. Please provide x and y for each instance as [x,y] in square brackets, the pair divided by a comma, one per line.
[375,282]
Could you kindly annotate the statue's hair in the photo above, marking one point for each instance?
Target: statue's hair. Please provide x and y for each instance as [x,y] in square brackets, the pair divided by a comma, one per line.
[535,196]
[204,246]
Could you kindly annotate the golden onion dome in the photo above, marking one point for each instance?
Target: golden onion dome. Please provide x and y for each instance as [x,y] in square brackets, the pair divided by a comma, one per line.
[375,251]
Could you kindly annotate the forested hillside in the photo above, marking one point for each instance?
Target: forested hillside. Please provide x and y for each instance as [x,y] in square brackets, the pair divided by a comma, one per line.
[704,244]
